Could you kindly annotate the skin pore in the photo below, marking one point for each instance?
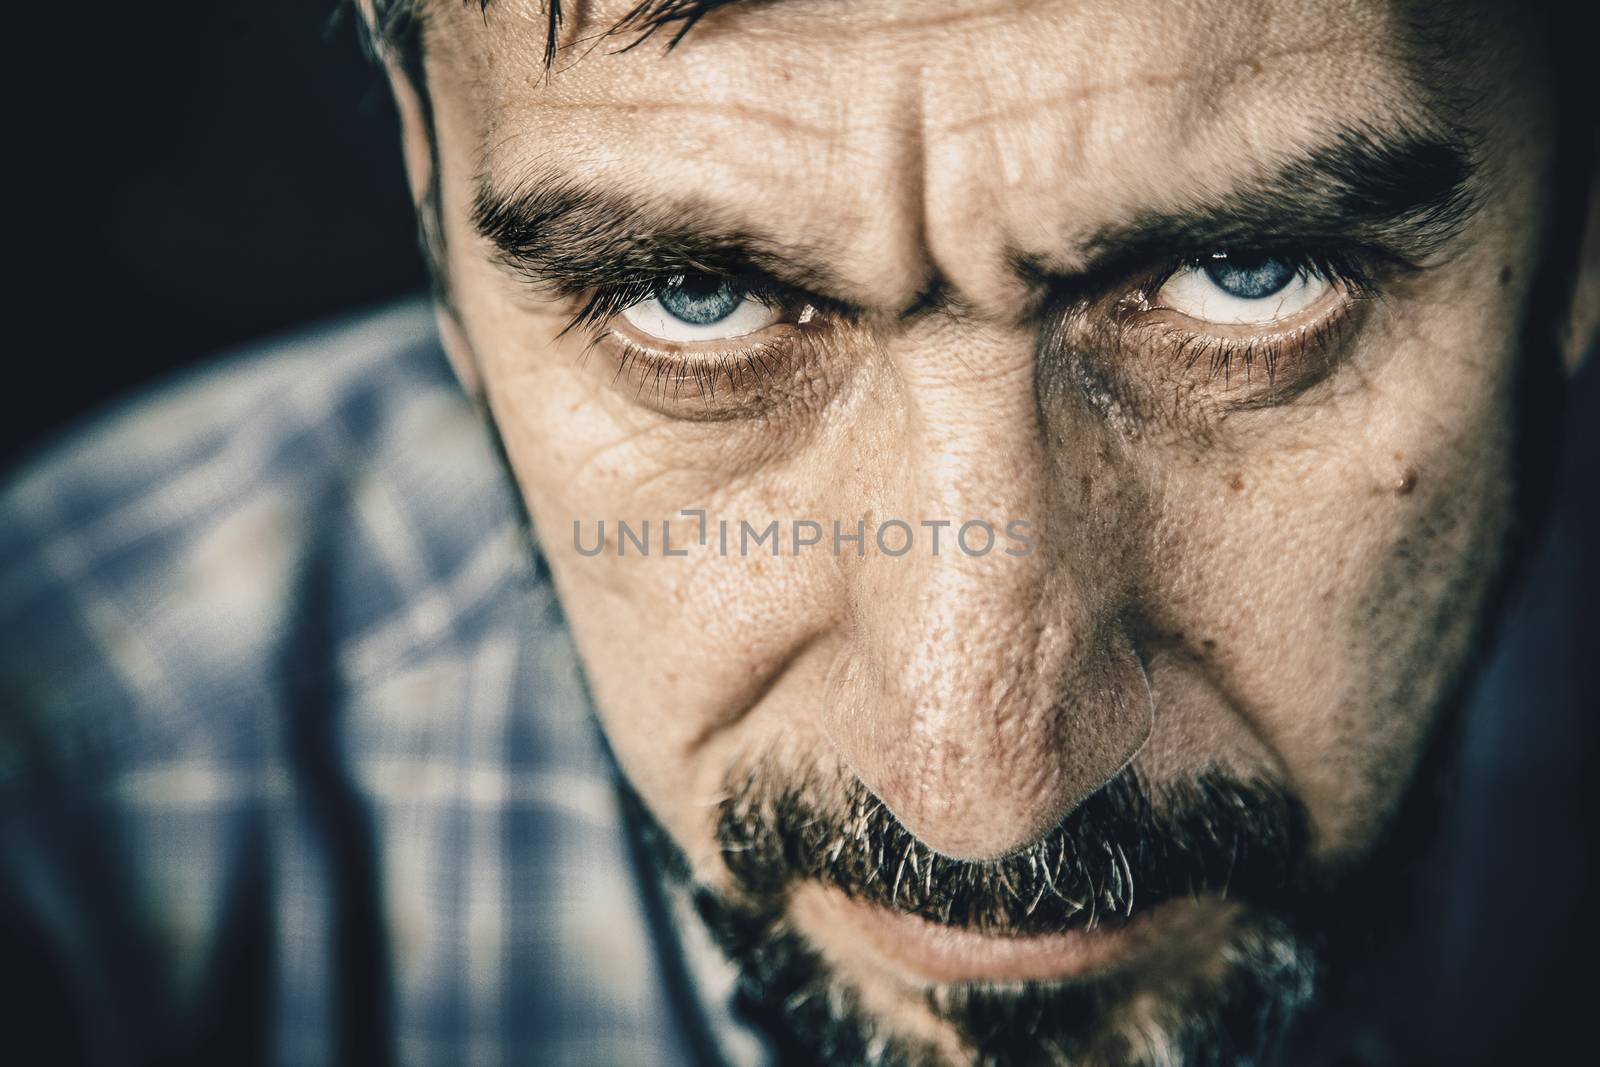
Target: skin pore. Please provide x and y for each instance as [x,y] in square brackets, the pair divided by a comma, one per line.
[985,242]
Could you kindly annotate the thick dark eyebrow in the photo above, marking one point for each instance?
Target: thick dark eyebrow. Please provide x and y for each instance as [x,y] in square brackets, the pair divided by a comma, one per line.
[1403,194]
[568,237]
[1407,193]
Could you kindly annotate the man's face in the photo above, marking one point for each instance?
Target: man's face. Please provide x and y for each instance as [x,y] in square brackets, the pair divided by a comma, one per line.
[1207,311]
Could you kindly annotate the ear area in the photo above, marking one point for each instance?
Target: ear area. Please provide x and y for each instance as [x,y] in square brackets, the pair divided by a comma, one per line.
[421,159]
[415,121]
[1582,331]
[416,134]
[420,152]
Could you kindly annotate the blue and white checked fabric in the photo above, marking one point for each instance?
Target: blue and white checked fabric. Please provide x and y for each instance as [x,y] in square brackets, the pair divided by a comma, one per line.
[296,764]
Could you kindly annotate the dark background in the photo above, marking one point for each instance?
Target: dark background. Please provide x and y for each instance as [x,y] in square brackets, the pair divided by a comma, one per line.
[205,174]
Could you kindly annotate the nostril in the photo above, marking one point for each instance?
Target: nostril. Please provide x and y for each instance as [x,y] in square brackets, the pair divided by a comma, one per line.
[976,782]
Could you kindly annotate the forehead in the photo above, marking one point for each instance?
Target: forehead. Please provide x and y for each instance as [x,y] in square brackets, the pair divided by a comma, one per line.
[884,129]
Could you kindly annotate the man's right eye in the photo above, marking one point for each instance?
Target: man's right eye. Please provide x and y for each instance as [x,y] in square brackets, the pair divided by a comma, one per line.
[1249,289]
[694,308]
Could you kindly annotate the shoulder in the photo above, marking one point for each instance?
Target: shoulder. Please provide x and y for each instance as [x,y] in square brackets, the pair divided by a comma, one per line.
[240,409]
[163,564]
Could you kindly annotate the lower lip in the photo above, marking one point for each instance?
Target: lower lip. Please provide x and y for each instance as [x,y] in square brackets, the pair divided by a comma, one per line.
[929,952]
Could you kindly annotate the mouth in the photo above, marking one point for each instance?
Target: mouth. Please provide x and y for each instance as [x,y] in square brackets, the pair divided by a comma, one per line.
[927,953]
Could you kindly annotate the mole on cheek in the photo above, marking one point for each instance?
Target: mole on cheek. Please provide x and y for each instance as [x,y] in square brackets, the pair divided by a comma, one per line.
[1505,276]
[1406,482]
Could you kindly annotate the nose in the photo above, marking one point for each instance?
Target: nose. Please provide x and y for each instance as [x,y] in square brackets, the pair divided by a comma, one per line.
[982,695]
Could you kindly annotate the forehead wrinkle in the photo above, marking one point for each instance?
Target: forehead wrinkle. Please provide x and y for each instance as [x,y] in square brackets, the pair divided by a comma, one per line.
[588,24]
[523,20]
[1131,110]
[1229,74]
[768,222]
[949,17]
[740,110]
[833,181]
[858,24]
[1188,149]
[912,199]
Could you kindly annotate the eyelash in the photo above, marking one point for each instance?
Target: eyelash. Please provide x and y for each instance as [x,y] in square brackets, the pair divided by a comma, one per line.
[733,368]
[738,365]
[605,302]
[1223,354]
[1352,271]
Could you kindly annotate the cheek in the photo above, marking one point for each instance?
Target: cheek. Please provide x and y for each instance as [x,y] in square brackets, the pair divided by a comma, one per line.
[674,646]
[1344,562]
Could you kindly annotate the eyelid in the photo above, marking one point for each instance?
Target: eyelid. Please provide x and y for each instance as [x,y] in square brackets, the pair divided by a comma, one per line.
[1194,293]
[1231,359]
[748,314]
[1354,273]
[712,379]
[602,304]
[766,374]
[1353,267]
[719,370]
[1126,337]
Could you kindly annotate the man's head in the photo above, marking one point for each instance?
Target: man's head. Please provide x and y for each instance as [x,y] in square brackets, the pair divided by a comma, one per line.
[1134,389]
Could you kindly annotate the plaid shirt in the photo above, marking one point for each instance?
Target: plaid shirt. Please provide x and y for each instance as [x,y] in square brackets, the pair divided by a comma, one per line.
[296,763]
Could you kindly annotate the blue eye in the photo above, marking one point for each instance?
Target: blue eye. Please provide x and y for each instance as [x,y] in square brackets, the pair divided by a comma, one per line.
[1250,276]
[693,308]
[1244,288]
[701,299]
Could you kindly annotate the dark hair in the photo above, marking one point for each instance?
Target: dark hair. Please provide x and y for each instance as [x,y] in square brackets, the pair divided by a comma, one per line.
[395,30]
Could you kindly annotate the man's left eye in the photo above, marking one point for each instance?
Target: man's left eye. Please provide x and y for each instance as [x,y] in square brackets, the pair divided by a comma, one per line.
[701,307]
[1243,289]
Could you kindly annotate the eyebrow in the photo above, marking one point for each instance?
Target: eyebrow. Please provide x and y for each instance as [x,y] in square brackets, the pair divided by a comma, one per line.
[1406,193]
[572,236]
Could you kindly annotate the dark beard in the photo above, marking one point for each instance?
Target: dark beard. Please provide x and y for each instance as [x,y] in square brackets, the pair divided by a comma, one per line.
[1119,854]
[813,1017]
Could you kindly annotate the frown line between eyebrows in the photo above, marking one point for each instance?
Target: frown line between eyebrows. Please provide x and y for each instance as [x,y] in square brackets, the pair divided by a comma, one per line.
[1403,191]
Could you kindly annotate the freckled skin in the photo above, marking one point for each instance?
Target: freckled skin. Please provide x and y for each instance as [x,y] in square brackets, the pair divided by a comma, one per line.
[1270,589]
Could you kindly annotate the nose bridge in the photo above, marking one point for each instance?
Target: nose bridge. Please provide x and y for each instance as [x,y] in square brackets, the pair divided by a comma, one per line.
[1000,170]
[963,619]
[983,692]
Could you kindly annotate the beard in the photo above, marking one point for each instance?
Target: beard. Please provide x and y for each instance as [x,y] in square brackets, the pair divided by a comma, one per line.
[1118,856]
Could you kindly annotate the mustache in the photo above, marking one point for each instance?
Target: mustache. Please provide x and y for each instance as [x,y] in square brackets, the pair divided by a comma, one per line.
[1127,848]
